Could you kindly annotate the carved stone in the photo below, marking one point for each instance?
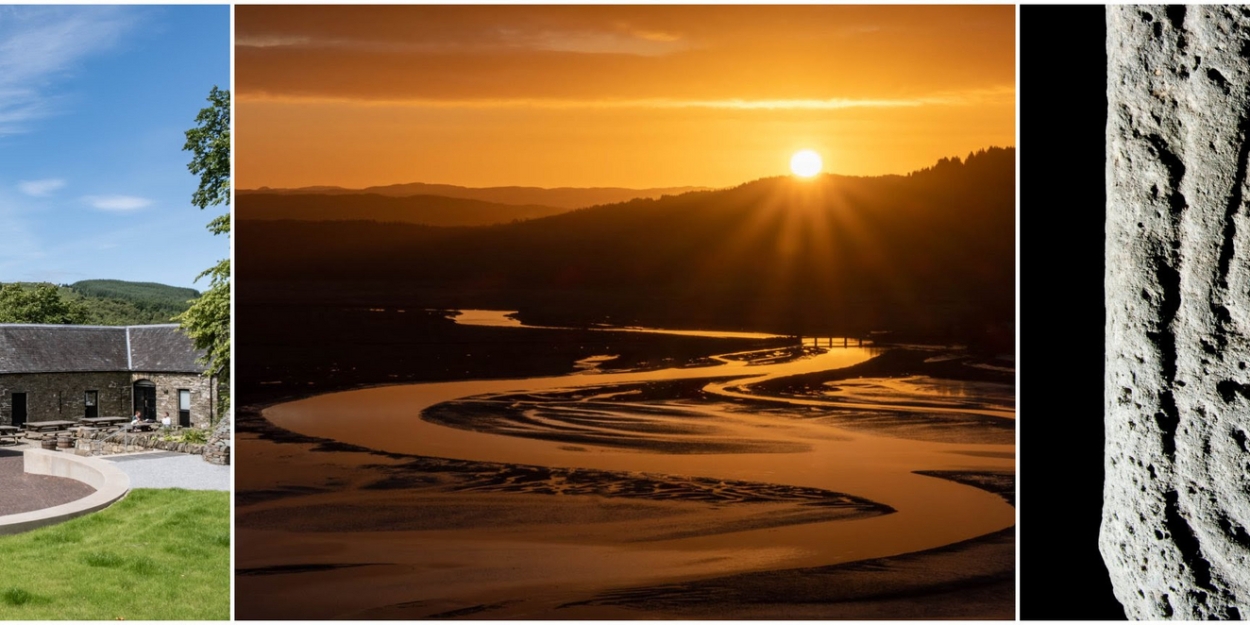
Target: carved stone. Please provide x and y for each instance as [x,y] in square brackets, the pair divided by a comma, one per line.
[1177,494]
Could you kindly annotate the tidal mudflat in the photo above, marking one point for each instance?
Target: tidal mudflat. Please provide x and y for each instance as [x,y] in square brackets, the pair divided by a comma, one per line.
[760,479]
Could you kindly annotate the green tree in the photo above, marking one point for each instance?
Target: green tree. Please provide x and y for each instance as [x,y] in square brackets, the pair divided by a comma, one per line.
[207,321]
[41,303]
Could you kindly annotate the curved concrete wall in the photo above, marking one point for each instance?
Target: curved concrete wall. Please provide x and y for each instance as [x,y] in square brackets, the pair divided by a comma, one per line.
[110,483]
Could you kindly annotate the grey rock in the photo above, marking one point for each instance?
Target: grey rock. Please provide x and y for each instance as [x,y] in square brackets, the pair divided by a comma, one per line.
[1176,515]
[217,449]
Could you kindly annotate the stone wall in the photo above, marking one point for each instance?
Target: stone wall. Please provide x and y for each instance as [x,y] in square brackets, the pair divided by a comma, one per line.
[61,396]
[101,443]
[167,387]
[217,451]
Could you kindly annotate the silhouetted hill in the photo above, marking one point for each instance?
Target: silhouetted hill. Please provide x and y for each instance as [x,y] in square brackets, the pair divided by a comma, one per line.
[931,252]
[416,209]
[561,197]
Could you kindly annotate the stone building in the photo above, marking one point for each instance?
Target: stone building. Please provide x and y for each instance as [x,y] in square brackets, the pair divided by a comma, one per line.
[66,372]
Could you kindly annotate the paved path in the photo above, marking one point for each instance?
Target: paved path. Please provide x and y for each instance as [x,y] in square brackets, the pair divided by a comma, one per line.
[168,469]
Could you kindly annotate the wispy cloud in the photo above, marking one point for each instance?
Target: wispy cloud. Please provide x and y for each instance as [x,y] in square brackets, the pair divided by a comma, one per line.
[624,41]
[40,188]
[24,244]
[117,203]
[38,45]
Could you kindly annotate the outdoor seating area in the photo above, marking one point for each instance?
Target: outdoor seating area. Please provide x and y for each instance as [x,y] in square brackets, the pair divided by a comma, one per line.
[47,430]
[102,421]
[48,426]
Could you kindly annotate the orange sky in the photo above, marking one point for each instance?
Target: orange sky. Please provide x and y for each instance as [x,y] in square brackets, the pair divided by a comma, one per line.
[632,96]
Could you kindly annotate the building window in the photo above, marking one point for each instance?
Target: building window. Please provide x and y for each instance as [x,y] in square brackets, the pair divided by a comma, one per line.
[184,407]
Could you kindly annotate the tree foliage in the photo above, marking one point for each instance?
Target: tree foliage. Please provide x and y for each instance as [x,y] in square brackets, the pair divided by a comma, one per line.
[207,321]
[209,143]
[118,302]
[38,303]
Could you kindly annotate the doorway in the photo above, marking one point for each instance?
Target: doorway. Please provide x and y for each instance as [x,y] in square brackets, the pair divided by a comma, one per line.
[90,400]
[19,409]
[145,400]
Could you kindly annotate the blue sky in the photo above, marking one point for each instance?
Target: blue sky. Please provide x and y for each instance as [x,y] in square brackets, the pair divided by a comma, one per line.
[94,101]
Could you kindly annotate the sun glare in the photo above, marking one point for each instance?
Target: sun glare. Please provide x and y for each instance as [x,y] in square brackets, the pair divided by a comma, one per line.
[805,163]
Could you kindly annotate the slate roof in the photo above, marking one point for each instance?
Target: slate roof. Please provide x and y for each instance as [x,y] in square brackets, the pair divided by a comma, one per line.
[66,348]
[162,349]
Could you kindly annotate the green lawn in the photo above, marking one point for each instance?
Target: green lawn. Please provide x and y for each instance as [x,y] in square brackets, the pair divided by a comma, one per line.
[157,554]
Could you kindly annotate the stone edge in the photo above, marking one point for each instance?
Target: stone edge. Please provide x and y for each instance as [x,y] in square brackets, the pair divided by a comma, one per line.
[111,484]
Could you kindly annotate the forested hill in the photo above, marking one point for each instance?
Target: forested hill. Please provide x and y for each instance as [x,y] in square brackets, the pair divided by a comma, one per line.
[117,302]
[93,302]
[566,198]
[431,210]
[932,251]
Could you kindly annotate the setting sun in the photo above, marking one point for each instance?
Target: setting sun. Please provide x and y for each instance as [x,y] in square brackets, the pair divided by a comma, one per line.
[805,163]
[534,237]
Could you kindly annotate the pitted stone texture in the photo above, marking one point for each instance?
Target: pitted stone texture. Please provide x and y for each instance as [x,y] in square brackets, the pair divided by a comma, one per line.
[1176,504]
[217,451]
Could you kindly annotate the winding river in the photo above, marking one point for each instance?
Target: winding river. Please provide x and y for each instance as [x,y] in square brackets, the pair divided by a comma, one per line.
[930,512]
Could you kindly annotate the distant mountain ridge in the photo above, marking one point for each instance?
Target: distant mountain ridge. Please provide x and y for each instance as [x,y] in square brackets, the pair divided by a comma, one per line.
[932,251]
[431,210]
[559,197]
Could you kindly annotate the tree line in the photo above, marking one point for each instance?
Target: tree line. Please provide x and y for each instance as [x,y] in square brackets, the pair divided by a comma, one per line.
[92,302]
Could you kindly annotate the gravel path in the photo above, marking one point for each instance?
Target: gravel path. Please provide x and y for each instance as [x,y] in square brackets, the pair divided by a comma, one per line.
[20,492]
[167,469]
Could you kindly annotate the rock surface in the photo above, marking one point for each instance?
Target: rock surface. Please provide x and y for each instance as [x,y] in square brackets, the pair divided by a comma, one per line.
[1176,512]
[217,450]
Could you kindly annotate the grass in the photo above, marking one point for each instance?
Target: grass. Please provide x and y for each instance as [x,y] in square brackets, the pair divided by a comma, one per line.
[158,554]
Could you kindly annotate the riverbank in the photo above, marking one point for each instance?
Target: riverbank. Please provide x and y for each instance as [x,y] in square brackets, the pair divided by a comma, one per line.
[319,514]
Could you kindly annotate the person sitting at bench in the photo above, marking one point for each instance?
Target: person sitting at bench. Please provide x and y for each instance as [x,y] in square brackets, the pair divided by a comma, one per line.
[139,423]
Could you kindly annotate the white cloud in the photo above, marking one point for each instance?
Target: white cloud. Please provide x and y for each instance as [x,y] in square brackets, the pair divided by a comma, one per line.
[40,188]
[39,44]
[117,203]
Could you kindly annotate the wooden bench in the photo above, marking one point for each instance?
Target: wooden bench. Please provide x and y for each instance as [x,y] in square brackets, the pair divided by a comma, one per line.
[9,432]
[48,426]
[103,421]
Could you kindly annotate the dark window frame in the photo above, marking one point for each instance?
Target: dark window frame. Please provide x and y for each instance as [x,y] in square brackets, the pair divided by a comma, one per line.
[188,409]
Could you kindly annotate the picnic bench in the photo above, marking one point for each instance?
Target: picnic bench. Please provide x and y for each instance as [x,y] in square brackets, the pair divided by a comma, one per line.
[10,432]
[47,426]
[102,421]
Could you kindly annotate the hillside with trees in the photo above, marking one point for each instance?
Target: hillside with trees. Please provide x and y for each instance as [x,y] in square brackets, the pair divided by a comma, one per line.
[566,198]
[431,210]
[93,302]
[932,253]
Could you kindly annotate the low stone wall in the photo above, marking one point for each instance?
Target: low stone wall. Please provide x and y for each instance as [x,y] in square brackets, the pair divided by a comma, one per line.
[99,443]
[217,451]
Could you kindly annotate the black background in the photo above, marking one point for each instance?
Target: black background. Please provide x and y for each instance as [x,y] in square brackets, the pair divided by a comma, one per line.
[1062,210]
